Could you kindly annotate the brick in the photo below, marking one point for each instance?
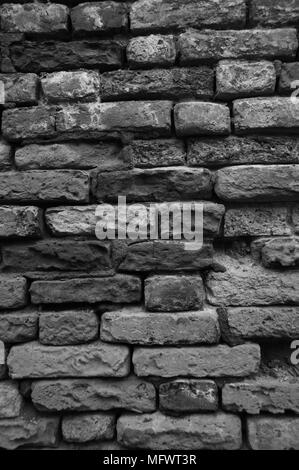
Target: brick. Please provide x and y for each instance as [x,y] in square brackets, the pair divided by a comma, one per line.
[246,283]
[20,221]
[32,18]
[196,46]
[13,291]
[160,152]
[158,432]
[157,185]
[10,400]
[140,118]
[99,17]
[59,255]
[151,15]
[188,396]
[200,362]
[289,74]
[5,155]
[234,150]
[258,183]
[88,427]
[273,433]
[34,360]
[265,115]
[174,83]
[259,323]
[40,186]
[94,394]
[107,156]
[48,56]
[236,79]
[152,50]
[67,327]
[28,123]
[118,289]
[71,86]
[261,395]
[278,252]
[173,293]
[19,326]
[200,118]
[135,326]
[266,12]
[257,220]
[20,88]
[29,428]
[163,256]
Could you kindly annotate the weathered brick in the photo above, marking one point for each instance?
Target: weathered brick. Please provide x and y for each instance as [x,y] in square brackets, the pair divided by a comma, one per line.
[20,221]
[40,186]
[269,13]
[196,46]
[88,427]
[140,118]
[20,88]
[30,428]
[266,115]
[5,155]
[19,326]
[256,220]
[174,83]
[200,118]
[288,75]
[160,14]
[173,293]
[65,327]
[162,256]
[151,50]
[59,255]
[118,289]
[30,56]
[34,18]
[261,395]
[99,17]
[201,362]
[236,79]
[71,86]
[188,396]
[273,433]
[234,150]
[160,152]
[34,360]
[277,252]
[135,326]
[10,400]
[158,432]
[106,156]
[28,123]
[259,323]
[258,183]
[157,184]
[94,394]
[246,283]
[13,291]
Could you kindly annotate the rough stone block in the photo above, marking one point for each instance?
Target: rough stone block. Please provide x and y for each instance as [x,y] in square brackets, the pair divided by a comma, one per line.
[134,326]
[188,396]
[277,252]
[88,427]
[288,75]
[13,291]
[5,155]
[99,17]
[10,400]
[201,362]
[71,86]
[20,88]
[19,326]
[20,221]
[34,360]
[173,293]
[200,118]
[149,51]
[273,433]
[157,153]
[28,123]
[266,12]
[131,394]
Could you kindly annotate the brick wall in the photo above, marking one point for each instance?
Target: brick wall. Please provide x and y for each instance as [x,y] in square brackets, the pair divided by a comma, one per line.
[118,344]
